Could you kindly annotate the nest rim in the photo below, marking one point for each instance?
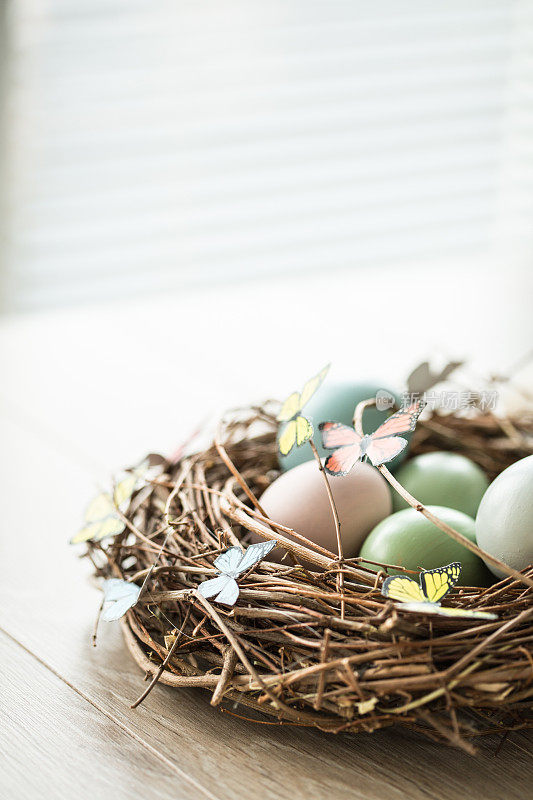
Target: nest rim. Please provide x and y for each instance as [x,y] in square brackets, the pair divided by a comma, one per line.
[450,679]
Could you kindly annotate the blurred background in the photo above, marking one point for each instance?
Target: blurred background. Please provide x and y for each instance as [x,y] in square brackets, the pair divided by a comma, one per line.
[208,200]
[155,146]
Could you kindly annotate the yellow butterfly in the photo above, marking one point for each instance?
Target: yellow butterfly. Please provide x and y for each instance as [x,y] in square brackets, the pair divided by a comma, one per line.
[425,596]
[298,428]
[101,518]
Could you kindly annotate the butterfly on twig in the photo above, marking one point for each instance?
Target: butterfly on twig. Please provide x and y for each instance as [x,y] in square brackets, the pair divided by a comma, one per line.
[298,429]
[422,378]
[231,564]
[119,597]
[103,514]
[101,518]
[425,596]
[379,447]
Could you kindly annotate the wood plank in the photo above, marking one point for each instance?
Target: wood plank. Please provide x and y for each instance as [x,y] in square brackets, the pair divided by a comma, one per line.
[56,744]
[47,606]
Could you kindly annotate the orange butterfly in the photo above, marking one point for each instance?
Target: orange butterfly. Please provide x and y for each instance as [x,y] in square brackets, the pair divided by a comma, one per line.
[381,446]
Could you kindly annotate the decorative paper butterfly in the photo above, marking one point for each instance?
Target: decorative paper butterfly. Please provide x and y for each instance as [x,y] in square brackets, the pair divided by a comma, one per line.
[298,428]
[101,518]
[425,596]
[119,597]
[381,446]
[231,564]
[422,378]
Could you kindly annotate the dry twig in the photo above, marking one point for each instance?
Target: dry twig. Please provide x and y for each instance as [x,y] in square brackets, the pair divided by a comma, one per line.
[320,645]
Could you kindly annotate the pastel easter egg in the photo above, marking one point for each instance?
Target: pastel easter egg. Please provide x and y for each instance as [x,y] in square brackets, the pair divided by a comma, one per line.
[409,540]
[336,402]
[442,479]
[298,500]
[504,522]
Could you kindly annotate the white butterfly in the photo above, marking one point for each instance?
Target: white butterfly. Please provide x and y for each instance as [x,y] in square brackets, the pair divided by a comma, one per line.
[119,597]
[231,564]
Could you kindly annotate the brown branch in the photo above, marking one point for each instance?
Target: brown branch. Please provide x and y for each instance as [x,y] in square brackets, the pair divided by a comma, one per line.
[324,652]
[161,669]
[335,513]
[226,675]
[237,475]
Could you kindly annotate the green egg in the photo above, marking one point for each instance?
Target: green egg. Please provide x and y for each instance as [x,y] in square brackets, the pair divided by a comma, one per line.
[442,479]
[336,402]
[409,540]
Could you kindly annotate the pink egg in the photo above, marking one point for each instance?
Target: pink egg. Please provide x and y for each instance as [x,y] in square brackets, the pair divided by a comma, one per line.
[298,500]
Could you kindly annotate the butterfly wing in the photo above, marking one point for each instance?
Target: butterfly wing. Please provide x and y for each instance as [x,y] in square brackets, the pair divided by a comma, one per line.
[101,517]
[87,533]
[230,563]
[380,451]
[229,594]
[119,597]
[99,529]
[99,508]
[402,588]
[304,430]
[214,586]
[287,438]
[117,609]
[229,560]
[464,612]
[402,421]
[117,589]
[290,407]
[422,378]
[335,434]
[296,401]
[347,443]
[312,386]
[436,583]
[124,490]
[420,607]
[343,460]
[111,526]
[254,554]
[434,608]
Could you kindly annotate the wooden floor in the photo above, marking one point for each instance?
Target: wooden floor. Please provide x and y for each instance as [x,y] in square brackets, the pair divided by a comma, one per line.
[85,391]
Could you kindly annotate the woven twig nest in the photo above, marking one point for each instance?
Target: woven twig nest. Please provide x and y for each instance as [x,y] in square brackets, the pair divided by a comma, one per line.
[284,649]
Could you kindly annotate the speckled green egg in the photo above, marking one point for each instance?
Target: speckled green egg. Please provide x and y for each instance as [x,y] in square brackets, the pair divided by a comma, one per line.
[442,479]
[409,540]
[336,402]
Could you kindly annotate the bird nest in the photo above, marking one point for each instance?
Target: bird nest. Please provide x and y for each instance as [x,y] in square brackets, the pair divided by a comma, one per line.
[295,646]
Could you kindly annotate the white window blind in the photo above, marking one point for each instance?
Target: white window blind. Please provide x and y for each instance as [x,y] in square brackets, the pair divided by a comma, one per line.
[154,146]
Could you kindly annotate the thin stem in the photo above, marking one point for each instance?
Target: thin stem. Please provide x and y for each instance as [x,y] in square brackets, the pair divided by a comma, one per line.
[324,652]
[237,475]
[336,520]
[97,620]
[161,669]
[358,415]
